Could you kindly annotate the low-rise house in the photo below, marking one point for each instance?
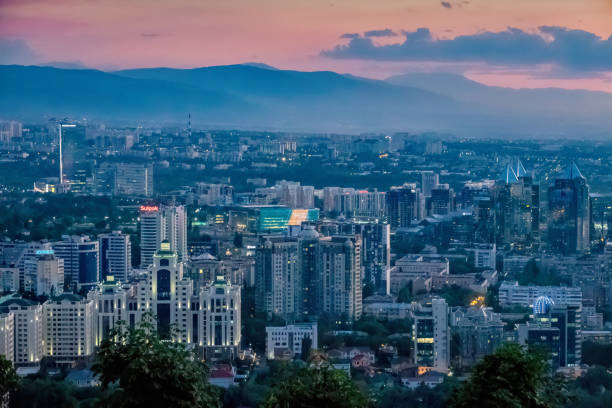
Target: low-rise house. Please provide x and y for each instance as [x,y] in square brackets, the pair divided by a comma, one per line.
[360,361]
[429,379]
[222,375]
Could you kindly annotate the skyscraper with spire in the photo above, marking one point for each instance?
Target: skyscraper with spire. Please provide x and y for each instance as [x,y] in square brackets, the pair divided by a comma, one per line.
[517,207]
[568,212]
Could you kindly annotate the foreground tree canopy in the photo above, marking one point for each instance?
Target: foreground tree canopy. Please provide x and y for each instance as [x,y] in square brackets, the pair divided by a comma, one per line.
[512,377]
[315,387]
[8,377]
[149,372]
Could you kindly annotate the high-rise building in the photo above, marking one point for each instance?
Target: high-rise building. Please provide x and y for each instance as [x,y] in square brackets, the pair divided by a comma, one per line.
[480,332]
[294,195]
[150,233]
[49,276]
[28,324]
[159,223]
[601,216]
[354,203]
[568,212]
[308,263]
[431,336]
[568,320]
[9,130]
[517,207]
[134,179]
[214,194]
[167,295]
[69,328]
[404,205]
[429,180]
[543,337]
[110,305]
[26,260]
[341,275]
[81,261]
[220,330]
[129,179]
[115,256]
[375,249]
[442,200]
[7,336]
[9,279]
[278,277]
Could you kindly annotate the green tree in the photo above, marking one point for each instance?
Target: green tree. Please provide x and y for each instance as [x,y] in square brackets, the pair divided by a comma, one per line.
[368,290]
[594,353]
[405,293]
[149,372]
[8,377]
[317,387]
[510,377]
[44,393]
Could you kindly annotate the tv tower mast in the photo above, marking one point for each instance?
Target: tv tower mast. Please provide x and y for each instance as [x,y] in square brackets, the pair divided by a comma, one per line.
[189,125]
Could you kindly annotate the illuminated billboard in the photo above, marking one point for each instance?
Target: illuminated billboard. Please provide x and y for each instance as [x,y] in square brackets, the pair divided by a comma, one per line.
[149,208]
[276,219]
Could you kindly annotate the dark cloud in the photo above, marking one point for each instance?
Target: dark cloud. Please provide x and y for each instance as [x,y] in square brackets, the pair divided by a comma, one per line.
[573,49]
[380,33]
[16,51]
[446,4]
[349,35]
[150,35]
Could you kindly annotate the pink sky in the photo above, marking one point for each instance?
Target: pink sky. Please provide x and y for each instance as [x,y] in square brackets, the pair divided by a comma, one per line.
[285,33]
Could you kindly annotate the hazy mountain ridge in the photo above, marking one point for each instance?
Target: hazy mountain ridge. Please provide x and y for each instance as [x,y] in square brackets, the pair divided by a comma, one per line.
[539,100]
[261,96]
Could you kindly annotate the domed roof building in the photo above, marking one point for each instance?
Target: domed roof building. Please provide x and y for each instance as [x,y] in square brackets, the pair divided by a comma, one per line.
[542,305]
[308,232]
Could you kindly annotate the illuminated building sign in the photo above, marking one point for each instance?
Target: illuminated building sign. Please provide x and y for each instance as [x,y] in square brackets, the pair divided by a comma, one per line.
[149,208]
[298,217]
[44,252]
[274,219]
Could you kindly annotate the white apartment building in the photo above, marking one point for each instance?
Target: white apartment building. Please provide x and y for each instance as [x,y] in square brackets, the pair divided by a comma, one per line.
[110,307]
[28,324]
[167,295]
[412,267]
[484,255]
[290,337]
[7,336]
[69,328]
[49,276]
[514,294]
[9,279]
[220,330]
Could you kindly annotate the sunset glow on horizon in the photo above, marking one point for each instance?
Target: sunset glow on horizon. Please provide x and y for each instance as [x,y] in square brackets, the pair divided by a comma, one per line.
[117,34]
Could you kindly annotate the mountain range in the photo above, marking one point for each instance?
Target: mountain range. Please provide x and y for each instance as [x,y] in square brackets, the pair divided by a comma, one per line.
[255,95]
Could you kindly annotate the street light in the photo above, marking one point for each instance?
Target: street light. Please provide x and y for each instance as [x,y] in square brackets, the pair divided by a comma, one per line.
[61,163]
